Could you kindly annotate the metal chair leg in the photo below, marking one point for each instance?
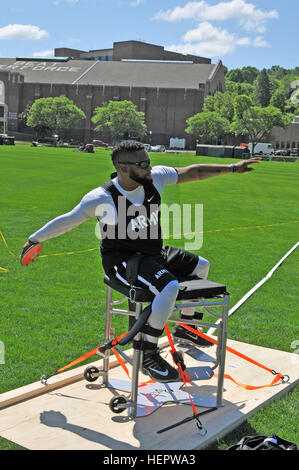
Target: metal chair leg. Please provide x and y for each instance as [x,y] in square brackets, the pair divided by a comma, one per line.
[107,335]
[223,339]
[137,361]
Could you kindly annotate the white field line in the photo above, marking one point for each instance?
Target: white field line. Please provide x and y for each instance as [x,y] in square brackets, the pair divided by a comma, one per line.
[256,287]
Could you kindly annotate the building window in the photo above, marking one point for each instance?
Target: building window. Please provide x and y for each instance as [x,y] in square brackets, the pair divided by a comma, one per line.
[109,57]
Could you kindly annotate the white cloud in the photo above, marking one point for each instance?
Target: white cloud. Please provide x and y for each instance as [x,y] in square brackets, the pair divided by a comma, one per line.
[248,15]
[48,53]
[22,31]
[190,10]
[136,3]
[71,2]
[243,41]
[259,41]
[204,49]
[208,40]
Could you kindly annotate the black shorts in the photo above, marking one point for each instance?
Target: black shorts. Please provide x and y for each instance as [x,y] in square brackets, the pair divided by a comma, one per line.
[155,273]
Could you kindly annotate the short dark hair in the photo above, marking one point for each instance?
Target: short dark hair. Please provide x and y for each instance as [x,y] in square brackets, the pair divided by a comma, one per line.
[126,146]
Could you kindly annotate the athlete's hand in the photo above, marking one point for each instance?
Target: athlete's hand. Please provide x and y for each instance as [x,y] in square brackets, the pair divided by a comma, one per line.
[242,167]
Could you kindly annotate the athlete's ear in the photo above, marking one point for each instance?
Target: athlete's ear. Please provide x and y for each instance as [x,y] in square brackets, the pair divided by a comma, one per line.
[123,168]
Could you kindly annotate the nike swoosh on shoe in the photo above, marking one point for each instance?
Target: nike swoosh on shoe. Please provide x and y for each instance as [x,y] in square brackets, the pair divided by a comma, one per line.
[165,373]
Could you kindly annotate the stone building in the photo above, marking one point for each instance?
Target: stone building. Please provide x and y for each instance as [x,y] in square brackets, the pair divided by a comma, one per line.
[287,138]
[167,86]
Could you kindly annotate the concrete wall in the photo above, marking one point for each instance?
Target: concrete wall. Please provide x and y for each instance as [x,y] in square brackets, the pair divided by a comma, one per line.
[166,110]
[216,81]
[130,50]
[136,50]
[13,82]
[67,52]
[286,138]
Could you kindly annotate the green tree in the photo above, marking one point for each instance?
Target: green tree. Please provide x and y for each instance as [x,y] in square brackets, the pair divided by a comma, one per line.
[207,125]
[256,122]
[241,104]
[278,99]
[221,103]
[119,120]
[262,89]
[54,114]
[239,88]
[277,71]
[249,74]
[235,75]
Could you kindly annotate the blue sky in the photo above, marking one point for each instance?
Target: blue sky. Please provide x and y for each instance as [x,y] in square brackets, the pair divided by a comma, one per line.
[260,33]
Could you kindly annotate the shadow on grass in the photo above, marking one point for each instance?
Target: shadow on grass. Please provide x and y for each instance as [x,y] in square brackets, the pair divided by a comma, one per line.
[245,429]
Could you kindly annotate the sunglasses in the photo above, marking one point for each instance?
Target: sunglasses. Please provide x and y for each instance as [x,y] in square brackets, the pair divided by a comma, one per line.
[144,164]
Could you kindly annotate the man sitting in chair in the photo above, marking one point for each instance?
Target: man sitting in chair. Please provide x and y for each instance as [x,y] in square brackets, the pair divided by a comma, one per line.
[136,187]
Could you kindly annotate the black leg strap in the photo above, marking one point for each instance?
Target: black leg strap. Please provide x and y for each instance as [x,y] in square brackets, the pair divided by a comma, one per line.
[148,330]
[144,345]
[142,319]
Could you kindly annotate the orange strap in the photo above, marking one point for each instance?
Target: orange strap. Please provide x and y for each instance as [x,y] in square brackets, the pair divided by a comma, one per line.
[121,361]
[184,375]
[123,365]
[237,353]
[87,355]
[251,387]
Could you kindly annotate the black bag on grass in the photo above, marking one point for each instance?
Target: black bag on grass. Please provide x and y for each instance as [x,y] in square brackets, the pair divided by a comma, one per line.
[259,442]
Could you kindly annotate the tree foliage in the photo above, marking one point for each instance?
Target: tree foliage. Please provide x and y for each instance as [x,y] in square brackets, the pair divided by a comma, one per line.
[54,114]
[221,103]
[262,90]
[256,121]
[247,74]
[274,86]
[119,120]
[207,125]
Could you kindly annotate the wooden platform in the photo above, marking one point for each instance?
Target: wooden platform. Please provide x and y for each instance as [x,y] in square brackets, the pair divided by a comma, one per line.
[72,414]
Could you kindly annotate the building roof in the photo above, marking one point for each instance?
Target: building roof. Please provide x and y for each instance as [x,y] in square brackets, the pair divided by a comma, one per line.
[131,74]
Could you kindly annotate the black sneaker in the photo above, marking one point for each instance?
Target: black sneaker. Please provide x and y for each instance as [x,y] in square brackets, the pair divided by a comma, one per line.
[157,368]
[183,336]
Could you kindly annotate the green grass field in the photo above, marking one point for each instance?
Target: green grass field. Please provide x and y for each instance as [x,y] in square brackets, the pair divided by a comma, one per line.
[53,310]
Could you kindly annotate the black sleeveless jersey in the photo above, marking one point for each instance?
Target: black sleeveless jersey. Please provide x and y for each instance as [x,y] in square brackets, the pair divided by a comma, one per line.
[138,227]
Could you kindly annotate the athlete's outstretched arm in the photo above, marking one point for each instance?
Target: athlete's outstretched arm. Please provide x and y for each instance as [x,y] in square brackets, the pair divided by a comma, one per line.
[202,171]
[58,226]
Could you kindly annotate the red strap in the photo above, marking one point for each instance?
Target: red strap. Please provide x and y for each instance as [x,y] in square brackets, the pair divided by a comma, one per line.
[184,375]
[237,353]
[251,387]
[89,354]
[123,365]
[121,361]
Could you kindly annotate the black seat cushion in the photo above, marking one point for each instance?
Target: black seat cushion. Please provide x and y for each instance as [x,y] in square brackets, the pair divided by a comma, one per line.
[190,288]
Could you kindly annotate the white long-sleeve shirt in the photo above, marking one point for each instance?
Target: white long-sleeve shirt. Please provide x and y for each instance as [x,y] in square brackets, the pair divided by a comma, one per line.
[95,203]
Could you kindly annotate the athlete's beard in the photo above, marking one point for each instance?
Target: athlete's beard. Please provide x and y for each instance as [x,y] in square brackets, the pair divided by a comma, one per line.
[138,178]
